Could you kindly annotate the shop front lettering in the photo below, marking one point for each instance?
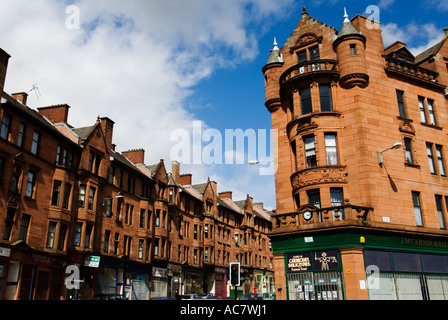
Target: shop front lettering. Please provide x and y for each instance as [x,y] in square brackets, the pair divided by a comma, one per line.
[423,243]
[298,263]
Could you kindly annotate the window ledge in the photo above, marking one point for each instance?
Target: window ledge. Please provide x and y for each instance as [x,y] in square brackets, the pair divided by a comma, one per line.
[431,126]
[412,165]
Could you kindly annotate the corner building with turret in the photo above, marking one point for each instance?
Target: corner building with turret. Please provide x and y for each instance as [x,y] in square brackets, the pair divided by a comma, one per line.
[361,180]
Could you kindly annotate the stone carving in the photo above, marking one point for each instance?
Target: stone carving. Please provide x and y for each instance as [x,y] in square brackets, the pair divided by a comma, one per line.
[318,176]
[407,127]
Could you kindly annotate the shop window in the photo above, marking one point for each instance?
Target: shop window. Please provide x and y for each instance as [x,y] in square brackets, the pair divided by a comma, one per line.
[411,276]
[406,262]
[314,276]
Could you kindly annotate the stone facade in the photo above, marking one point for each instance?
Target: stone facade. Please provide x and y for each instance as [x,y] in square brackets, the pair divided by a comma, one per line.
[338,99]
[79,219]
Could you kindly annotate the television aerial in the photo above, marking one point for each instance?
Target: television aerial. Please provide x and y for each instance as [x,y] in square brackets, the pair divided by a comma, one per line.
[36,91]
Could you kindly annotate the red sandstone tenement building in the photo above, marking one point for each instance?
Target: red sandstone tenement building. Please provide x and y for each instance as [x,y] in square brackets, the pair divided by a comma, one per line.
[361,185]
[68,198]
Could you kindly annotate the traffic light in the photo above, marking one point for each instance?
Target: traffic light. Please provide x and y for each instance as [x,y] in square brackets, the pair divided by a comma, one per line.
[235,269]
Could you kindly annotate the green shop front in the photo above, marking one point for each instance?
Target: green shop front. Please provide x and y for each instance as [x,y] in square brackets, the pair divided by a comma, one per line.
[359,264]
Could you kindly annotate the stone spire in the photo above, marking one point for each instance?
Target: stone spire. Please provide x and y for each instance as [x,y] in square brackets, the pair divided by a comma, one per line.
[275,57]
[347,28]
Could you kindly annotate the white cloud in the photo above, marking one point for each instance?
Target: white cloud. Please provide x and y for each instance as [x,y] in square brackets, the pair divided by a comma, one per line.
[419,37]
[132,61]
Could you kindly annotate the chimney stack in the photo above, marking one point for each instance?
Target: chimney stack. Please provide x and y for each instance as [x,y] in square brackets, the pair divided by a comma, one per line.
[446,30]
[225,195]
[137,156]
[4,58]
[175,170]
[185,179]
[21,96]
[56,114]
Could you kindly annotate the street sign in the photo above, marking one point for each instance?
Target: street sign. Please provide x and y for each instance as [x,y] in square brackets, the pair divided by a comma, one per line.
[92,261]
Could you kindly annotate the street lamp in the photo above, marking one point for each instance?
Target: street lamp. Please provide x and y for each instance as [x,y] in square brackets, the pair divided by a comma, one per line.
[397,145]
[119,196]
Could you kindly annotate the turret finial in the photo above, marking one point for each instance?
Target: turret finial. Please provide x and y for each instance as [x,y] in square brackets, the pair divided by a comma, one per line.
[346,15]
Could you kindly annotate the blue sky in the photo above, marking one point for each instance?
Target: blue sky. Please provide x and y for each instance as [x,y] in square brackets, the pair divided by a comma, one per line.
[157,66]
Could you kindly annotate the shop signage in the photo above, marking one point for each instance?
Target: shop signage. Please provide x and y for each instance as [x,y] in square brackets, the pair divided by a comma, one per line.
[326,260]
[92,262]
[423,243]
[159,272]
[313,261]
[299,262]
[174,267]
[5,252]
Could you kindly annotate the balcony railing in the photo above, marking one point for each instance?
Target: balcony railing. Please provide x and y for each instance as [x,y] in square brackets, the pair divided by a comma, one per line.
[412,71]
[310,67]
[321,218]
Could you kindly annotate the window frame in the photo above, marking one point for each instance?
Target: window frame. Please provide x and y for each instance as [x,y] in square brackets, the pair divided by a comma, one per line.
[417,208]
[330,147]
[310,162]
[35,143]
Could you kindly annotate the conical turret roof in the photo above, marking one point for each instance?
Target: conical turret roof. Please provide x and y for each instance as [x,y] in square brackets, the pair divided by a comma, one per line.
[275,57]
[347,29]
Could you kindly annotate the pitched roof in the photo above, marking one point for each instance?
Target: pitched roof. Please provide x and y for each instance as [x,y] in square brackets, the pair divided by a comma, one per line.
[430,52]
[33,115]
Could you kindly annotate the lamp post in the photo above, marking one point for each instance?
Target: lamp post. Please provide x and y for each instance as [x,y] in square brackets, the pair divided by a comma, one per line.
[119,196]
[397,145]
